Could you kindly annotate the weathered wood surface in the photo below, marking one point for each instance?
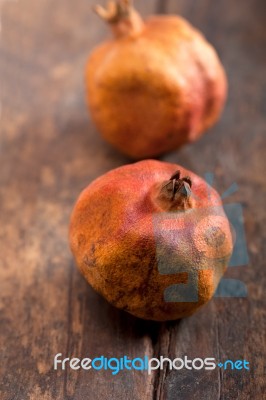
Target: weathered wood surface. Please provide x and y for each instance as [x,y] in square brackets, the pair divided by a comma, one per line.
[50,151]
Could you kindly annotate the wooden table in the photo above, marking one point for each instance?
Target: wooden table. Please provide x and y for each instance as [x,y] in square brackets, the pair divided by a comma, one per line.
[50,150]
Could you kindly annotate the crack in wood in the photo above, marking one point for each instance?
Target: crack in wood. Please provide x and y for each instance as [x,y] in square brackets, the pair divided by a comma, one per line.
[163,349]
[69,325]
[161,6]
[220,378]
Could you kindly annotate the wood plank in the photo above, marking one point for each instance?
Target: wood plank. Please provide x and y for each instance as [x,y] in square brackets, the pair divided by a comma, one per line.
[49,152]
[234,151]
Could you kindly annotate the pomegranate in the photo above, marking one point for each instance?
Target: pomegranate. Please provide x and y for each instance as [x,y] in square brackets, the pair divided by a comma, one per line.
[156,85]
[152,238]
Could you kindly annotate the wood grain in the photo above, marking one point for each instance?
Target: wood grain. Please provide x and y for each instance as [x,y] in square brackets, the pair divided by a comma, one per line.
[50,151]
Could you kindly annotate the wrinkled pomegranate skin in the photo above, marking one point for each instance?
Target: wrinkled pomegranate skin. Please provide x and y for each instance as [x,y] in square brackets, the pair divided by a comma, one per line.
[156,91]
[117,242]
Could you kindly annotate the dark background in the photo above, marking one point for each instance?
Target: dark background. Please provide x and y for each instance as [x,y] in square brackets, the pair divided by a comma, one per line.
[49,151]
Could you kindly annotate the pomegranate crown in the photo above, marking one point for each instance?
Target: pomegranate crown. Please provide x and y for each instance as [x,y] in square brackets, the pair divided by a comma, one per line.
[114,11]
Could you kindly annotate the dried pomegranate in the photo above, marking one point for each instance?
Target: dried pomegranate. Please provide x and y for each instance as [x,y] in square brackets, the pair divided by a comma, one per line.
[152,238]
[156,85]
